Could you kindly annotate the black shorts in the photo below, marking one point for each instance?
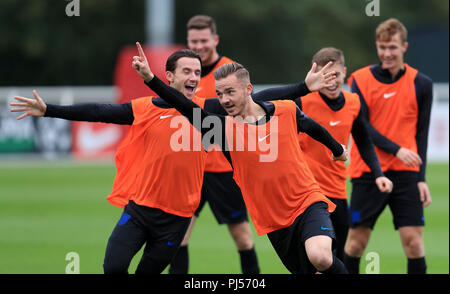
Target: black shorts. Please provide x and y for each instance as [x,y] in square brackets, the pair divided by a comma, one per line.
[161,233]
[224,197]
[341,222]
[367,202]
[289,243]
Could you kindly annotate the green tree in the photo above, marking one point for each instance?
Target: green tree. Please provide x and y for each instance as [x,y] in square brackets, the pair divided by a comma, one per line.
[41,45]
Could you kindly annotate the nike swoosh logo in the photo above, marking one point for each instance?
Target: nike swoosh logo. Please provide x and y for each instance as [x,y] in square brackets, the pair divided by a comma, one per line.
[94,141]
[333,123]
[165,116]
[389,95]
[171,243]
[325,228]
[262,139]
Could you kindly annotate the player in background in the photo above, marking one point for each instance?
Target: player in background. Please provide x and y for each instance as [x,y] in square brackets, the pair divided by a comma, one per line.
[397,101]
[219,188]
[340,113]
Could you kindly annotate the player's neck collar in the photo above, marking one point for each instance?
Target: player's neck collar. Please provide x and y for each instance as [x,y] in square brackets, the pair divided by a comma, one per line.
[208,68]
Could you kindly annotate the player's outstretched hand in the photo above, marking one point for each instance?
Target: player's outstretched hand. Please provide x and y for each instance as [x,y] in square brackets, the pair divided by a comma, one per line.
[343,156]
[321,79]
[408,157]
[140,64]
[384,184]
[30,107]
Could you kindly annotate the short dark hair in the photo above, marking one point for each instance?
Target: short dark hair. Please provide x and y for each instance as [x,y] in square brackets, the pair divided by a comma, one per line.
[171,63]
[232,68]
[327,54]
[200,22]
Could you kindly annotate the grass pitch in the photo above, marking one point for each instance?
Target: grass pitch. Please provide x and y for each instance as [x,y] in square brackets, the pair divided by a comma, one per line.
[48,209]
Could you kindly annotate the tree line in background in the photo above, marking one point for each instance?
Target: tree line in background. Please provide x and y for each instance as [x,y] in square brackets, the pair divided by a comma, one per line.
[275,40]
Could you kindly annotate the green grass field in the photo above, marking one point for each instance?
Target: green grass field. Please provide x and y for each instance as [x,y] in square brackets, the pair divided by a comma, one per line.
[49,209]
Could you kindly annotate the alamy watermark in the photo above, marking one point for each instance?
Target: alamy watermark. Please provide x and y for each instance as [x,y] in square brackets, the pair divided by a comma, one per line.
[73,8]
[73,267]
[373,8]
[373,263]
[241,134]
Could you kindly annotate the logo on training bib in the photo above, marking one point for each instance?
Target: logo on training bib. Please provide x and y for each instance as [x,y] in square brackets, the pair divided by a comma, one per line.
[262,139]
[388,95]
[334,123]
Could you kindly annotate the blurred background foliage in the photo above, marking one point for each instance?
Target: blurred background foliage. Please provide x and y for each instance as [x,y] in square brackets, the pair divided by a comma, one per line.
[275,40]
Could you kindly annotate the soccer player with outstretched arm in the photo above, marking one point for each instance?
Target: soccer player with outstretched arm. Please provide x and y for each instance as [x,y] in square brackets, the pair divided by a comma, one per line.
[156,211]
[219,188]
[260,141]
[341,114]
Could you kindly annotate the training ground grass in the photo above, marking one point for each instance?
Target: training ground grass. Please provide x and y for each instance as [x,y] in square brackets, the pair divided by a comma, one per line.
[48,209]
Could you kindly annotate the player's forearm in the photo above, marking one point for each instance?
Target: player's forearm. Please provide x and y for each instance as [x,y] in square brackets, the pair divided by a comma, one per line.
[194,113]
[93,112]
[320,134]
[424,93]
[366,146]
[378,139]
[382,142]
[422,146]
[289,92]
[173,97]
[212,106]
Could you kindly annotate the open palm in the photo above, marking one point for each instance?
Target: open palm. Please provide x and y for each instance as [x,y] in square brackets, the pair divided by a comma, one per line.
[320,79]
[30,107]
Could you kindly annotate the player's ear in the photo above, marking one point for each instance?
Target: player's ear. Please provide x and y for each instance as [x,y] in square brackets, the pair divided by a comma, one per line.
[216,40]
[405,46]
[345,71]
[169,76]
[249,89]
